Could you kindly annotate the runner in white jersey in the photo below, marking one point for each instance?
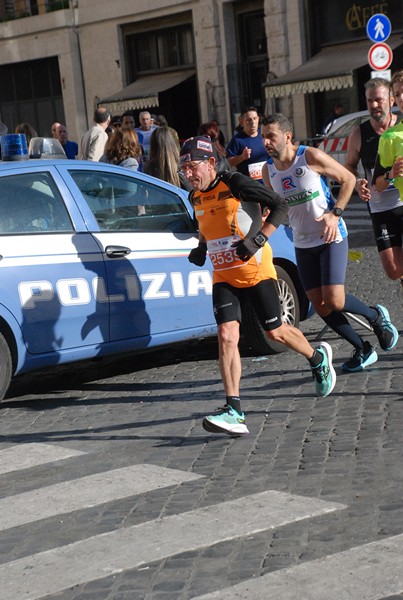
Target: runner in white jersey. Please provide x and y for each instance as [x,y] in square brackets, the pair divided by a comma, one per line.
[308,197]
[320,236]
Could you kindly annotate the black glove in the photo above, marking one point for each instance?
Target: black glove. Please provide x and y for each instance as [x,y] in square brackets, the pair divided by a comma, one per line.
[197,256]
[247,247]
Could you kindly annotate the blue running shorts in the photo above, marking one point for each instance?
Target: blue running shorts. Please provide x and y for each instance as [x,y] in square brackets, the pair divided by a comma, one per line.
[322,265]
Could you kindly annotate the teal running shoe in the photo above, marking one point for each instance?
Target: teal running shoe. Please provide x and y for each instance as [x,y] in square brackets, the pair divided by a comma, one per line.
[361,358]
[228,421]
[384,330]
[324,374]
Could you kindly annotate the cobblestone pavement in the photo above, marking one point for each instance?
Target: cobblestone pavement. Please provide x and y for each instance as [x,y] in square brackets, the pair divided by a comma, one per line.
[344,451]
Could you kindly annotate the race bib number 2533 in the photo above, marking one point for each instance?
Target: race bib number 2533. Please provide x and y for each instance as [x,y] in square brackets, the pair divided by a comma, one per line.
[222,254]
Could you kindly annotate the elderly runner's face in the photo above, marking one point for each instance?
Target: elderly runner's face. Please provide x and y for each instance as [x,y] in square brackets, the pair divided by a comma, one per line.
[199,173]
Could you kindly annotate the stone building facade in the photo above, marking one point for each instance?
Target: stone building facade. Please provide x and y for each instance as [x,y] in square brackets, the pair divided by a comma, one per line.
[192,60]
[81,55]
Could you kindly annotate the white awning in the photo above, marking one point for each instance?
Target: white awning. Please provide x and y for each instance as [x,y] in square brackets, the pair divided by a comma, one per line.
[143,93]
[331,69]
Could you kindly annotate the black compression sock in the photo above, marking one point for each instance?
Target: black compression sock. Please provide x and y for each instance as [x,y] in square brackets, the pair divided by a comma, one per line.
[357,307]
[235,402]
[341,325]
[315,359]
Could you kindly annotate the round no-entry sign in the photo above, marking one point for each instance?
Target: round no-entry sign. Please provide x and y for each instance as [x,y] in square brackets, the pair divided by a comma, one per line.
[380,56]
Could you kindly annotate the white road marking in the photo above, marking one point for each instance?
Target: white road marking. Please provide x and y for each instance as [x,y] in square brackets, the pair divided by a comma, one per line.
[25,456]
[370,572]
[85,492]
[113,552]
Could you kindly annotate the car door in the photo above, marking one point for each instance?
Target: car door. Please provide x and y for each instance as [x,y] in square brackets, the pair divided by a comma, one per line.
[146,233]
[50,265]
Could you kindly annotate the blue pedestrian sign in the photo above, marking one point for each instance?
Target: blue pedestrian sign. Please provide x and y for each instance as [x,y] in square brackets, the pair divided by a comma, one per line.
[378,28]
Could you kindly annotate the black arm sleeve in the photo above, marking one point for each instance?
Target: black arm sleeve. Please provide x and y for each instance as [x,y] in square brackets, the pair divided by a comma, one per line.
[379,170]
[249,190]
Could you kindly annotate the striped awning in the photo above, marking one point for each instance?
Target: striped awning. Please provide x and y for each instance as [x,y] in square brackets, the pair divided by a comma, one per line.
[331,69]
[143,93]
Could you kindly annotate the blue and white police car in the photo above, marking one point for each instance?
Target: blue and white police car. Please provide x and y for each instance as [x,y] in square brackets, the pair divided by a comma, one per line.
[93,261]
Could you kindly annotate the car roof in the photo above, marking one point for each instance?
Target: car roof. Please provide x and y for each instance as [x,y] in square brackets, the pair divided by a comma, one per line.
[95,165]
[354,118]
[345,119]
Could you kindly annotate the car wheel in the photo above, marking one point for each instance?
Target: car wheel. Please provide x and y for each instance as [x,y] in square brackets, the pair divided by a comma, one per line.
[6,367]
[252,330]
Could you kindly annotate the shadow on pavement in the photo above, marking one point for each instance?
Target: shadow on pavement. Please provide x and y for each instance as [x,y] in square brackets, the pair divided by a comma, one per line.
[76,375]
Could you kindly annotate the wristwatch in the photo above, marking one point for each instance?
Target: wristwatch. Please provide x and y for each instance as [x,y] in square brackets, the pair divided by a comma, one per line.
[260,239]
[387,178]
[337,211]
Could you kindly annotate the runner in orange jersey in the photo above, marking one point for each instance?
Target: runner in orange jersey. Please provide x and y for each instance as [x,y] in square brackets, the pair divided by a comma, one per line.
[228,207]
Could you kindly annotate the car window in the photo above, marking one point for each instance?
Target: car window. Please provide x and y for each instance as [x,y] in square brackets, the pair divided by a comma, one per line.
[128,204]
[31,203]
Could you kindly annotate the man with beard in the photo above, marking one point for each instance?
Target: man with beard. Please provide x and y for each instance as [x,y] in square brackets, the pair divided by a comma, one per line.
[385,207]
[320,236]
[388,172]
[228,208]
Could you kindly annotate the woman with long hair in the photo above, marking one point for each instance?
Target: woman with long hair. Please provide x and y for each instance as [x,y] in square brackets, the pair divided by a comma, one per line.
[164,158]
[162,122]
[122,148]
[28,130]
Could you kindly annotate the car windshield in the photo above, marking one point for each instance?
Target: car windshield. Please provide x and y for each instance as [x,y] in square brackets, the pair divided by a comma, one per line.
[31,203]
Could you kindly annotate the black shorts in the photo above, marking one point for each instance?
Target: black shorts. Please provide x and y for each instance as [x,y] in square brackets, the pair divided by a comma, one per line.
[388,228]
[228,302]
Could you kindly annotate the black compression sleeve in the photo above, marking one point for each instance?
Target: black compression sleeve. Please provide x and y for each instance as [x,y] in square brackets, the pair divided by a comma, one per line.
[249,190]
[379,170]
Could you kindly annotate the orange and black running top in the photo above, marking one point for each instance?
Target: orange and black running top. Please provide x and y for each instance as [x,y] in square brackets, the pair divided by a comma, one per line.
[224,218]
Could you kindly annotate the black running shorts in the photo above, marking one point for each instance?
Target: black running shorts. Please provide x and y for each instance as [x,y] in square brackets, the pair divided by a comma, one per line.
[388,228]
[228,302]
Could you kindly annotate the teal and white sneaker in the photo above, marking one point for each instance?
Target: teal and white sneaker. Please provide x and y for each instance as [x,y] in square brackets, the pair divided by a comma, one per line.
[384,329]
[360,359]
[324,374]
[228,421]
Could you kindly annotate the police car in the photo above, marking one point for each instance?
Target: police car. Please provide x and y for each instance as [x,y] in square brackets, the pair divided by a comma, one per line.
[93,261]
